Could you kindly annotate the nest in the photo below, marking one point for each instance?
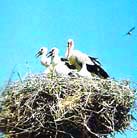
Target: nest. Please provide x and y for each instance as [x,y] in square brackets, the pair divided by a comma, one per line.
[65,107]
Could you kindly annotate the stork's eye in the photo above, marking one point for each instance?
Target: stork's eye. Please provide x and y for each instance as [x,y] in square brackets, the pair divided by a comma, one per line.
[41,49]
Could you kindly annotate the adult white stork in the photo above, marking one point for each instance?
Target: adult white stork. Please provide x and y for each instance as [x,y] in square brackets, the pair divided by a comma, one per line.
[59,66]
[81,60]
[44,60]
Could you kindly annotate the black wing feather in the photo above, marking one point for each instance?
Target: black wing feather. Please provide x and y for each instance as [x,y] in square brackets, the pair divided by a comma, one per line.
[70,66]
[64,59]
[131,29]
[97,70]
[95,60]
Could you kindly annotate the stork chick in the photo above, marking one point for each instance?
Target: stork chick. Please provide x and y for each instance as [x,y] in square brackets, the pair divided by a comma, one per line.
[44,60]
[59,66]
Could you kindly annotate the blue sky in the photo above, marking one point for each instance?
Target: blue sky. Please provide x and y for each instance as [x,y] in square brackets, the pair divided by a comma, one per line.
[97,28]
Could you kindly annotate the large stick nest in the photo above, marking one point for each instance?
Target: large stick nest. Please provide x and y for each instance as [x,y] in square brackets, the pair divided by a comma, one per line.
[65,107]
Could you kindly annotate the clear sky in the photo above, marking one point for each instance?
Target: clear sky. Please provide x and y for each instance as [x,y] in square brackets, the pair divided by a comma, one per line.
[96,26]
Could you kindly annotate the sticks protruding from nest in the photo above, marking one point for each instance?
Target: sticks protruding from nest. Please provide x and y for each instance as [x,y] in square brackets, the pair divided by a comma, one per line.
[65,107]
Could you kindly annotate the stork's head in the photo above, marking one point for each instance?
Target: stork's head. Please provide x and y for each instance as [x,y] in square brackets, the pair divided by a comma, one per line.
[70,47]
[43,50]
[70,43]
[54,52]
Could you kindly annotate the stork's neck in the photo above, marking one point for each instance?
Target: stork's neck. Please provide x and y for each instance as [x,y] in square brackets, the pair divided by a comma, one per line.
[69,52]
[43,56]
[55,60]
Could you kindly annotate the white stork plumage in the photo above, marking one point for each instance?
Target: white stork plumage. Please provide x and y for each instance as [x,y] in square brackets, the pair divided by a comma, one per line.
[59,66]
[83,62]
[84,72]
[44,60]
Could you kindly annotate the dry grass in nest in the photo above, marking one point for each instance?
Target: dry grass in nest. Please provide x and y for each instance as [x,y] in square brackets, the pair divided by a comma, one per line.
[65,107]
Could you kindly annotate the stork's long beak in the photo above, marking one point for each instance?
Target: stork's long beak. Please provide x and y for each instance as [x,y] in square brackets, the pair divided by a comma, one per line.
[38,54]
[49,54]
[68,51]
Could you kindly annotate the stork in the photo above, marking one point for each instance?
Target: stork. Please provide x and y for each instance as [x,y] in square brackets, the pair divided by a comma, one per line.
[44,60]
[81,60]
[130,31]
[84,72]
[59,66]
